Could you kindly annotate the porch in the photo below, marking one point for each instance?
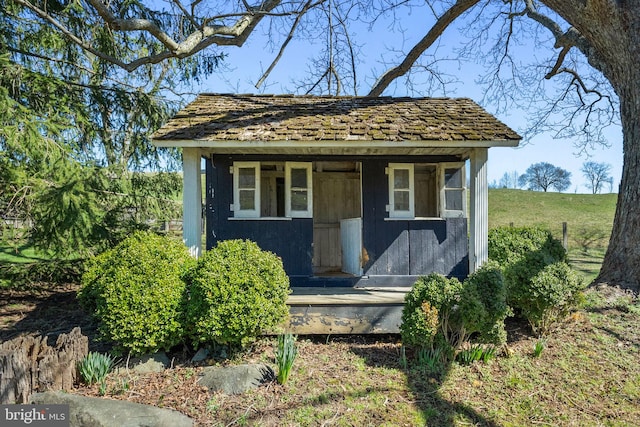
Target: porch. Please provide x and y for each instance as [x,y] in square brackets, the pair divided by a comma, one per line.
[338,310]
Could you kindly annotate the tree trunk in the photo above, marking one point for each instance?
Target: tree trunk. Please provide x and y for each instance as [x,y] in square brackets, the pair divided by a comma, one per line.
[621,264]
[28,365]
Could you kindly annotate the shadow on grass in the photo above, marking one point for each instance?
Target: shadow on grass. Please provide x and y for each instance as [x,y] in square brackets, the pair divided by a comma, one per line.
[425,387]
[21,254]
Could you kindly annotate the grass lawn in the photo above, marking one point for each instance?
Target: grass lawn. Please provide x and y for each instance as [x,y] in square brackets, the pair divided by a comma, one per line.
[21,254]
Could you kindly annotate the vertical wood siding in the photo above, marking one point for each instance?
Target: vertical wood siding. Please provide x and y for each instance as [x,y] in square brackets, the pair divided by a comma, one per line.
[290,239]
[413,247]
[393,248]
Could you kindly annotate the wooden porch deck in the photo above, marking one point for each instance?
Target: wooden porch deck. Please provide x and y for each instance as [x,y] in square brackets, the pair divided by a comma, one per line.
[336,310]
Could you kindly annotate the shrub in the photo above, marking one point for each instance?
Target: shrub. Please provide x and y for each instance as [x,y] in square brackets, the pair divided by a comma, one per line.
[137,293]
[548,296]
[237,291]
[483,304]
[508,245]
[429,315]
[442,314]
[523,253]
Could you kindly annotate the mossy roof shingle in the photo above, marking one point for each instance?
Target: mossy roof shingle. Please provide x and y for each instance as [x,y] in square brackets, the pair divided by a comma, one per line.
[213,117]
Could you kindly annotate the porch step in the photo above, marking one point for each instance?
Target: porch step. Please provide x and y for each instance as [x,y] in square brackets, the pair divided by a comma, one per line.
[345,310]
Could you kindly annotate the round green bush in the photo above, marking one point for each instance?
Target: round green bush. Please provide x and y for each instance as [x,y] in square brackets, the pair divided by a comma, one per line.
[523,252]
[237,291]
[422,323]
[483,304]
[137,294]
[508,245]
[548,296]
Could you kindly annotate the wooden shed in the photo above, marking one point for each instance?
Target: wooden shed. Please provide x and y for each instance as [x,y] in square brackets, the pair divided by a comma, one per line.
[351,192]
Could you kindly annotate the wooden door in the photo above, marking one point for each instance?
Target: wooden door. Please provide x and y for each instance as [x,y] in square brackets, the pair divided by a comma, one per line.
[336,196]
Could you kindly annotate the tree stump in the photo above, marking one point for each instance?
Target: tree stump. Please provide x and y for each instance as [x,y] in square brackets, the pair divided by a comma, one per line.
[28,365]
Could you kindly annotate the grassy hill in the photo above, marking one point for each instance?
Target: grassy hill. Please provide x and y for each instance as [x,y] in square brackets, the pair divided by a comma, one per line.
[550,210]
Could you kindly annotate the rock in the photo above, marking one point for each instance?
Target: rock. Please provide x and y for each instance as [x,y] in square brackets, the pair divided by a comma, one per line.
[236,379]
[97,412]
[200,356]
[157,362]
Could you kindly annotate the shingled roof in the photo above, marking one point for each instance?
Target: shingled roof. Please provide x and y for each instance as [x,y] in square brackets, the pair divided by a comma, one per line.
[215,117]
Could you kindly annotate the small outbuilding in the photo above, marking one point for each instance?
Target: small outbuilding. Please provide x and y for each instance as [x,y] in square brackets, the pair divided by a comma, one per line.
[348,191]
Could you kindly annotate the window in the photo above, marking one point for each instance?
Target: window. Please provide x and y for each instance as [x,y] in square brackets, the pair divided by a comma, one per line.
[246,189]
[426,190]
[401,194]
[272,190]
[298,197]
[453,198]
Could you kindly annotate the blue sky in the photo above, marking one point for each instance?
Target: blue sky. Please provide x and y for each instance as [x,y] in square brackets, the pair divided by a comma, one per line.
[244,66]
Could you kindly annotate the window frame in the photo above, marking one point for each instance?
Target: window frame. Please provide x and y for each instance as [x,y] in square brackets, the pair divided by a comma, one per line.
[391,170]
[237,211]
[256,213]
[289,211]
[453,213]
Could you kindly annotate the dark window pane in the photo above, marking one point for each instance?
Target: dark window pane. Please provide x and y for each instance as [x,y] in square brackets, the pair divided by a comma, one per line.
[401,200]
[299,200]
[401,179]
[299,178]
[453,200]
[247,200]
[247,178]
[453,178]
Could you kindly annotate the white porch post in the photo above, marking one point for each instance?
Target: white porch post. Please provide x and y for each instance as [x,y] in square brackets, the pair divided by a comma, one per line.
[479,221]
[191,200]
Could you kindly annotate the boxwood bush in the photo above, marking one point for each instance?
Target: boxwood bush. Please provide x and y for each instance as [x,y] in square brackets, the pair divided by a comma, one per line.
[540,284]
[442,314]
[429,311]
[548,296]
[136,292]
[508,245]
[237,291]
[483,304]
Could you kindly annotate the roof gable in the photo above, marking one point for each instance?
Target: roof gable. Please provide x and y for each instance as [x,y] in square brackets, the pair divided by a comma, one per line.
[225,118]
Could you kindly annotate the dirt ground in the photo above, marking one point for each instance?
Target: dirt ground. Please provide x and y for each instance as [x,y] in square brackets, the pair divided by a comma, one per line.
[327,363]
[54,311]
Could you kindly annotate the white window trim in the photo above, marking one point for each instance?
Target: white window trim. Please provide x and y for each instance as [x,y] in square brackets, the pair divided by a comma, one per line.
[453,213]
[246,213]
[289,212]
[391,172]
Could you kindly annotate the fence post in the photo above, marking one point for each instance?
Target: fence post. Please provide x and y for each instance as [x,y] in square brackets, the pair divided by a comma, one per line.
[565,237]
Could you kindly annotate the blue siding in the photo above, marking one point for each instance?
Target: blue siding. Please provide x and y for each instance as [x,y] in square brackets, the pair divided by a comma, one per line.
[414,247]
[291,239]
[398,251]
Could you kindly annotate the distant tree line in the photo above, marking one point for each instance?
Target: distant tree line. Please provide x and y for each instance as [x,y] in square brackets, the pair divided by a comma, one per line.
[544,176]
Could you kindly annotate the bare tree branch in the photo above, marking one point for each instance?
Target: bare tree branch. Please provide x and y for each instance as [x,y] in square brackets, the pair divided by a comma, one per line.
[564,39]
[306,7]
[222,35]
[434,33]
